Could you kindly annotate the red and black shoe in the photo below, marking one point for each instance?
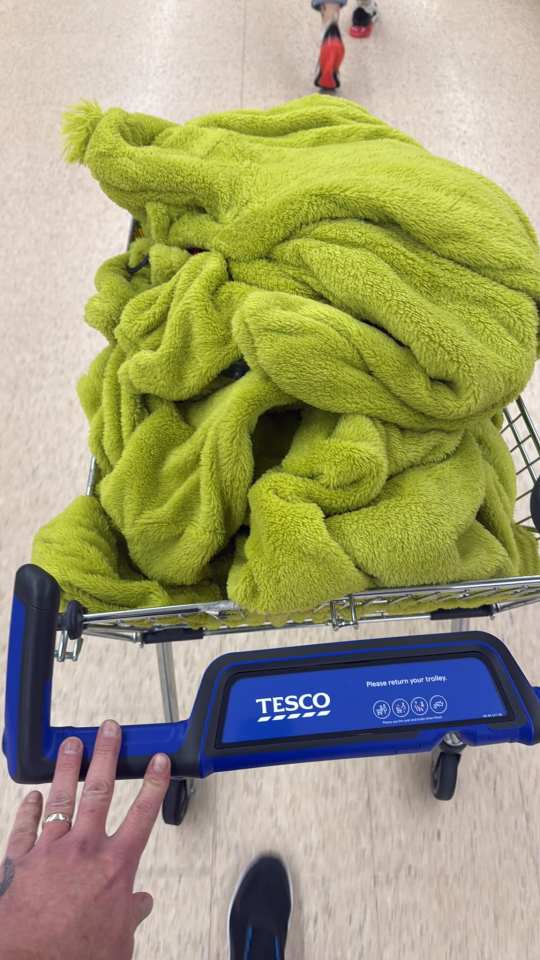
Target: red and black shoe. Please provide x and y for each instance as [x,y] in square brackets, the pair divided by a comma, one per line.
[362,21]
[330,58]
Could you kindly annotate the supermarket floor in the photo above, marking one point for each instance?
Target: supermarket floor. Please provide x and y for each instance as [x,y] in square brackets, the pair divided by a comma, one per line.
[380,869]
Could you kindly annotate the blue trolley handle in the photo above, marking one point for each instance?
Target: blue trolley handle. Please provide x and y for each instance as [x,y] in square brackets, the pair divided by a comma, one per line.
[201,745]
[30,742]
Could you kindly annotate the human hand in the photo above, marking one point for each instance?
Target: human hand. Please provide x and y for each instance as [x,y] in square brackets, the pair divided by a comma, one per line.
[69,893]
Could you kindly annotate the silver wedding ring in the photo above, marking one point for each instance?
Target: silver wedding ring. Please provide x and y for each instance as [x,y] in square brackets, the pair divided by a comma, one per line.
[63,817]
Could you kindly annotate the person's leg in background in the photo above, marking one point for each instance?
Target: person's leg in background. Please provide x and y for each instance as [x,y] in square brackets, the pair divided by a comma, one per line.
[363,18]
[260,912]
[332,47]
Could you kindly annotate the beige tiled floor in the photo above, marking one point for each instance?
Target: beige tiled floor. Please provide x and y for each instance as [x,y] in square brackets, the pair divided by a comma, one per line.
[381,870]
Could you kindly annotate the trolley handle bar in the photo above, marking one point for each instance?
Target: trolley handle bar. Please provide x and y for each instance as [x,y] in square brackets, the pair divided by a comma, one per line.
[216,737]
[30,742]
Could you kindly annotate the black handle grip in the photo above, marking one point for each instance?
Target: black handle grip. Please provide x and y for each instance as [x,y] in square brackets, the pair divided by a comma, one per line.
[36,602]
[463,613]
[30,743]
[535,505]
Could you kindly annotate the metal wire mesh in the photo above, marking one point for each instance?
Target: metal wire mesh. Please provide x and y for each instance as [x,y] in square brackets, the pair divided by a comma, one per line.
[524,445]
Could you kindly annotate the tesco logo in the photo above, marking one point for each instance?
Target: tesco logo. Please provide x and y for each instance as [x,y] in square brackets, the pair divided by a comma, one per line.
[294,707]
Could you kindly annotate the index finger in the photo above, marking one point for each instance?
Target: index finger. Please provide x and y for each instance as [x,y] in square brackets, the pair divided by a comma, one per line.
[134,832]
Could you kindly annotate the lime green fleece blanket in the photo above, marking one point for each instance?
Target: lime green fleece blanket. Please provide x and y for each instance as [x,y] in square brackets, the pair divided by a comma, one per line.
[309,348]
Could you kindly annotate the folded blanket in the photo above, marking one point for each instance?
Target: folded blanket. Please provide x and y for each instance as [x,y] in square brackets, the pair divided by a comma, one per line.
[309,348]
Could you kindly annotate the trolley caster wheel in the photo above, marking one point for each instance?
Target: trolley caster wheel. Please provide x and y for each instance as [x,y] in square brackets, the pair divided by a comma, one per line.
[444,773]
[176,802]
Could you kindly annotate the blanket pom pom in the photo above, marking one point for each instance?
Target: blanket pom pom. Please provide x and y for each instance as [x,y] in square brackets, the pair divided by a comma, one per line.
[78,125]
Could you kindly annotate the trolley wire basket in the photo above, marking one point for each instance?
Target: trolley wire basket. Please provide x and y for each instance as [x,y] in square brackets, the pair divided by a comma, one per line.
[465,599]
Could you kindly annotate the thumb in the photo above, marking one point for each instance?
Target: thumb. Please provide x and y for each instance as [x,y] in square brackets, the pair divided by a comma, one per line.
[143,904]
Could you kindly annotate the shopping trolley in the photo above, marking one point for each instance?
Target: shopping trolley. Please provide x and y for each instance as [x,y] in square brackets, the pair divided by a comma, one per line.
[436,693]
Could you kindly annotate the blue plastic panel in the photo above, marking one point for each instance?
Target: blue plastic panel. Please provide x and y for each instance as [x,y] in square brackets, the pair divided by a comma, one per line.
[277,706]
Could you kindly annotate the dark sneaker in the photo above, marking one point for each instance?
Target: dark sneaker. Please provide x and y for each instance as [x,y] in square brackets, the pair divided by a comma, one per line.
[330,58]
[362,21]
[260,912]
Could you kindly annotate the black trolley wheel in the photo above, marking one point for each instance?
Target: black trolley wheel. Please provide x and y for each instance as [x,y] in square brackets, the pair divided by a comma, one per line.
[176,802]
[444,774]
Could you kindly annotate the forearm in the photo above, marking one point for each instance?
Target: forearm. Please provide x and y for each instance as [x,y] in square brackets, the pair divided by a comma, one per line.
[21,953]
[16,942]
[11,947]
